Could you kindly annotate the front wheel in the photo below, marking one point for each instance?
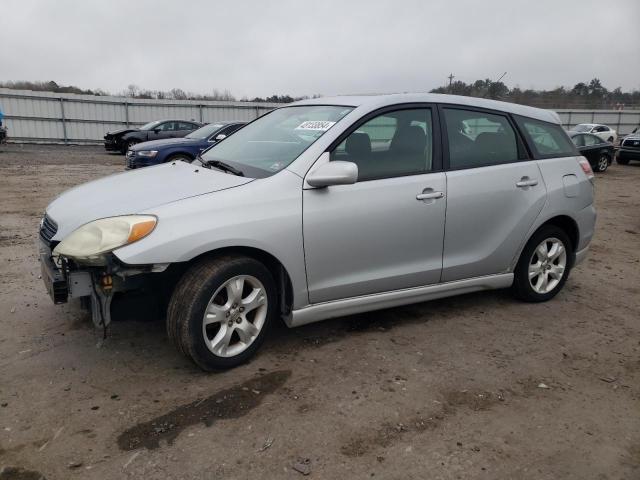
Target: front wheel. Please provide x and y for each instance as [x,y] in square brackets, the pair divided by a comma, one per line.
[603,163]
[128,145]
[544,265]
[220,311]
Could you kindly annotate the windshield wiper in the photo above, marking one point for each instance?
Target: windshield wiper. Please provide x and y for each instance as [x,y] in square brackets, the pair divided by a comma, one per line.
[225,167]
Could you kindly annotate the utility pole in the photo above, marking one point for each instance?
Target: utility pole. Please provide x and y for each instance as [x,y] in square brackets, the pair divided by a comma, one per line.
[451,77]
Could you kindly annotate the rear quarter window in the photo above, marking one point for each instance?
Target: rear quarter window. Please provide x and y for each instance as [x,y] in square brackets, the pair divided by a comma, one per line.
[546,140]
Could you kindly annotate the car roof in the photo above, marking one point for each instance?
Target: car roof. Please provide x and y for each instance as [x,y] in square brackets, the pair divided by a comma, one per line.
[377,101]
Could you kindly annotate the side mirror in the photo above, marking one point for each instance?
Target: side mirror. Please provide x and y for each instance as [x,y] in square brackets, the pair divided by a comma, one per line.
[156,130]
[333,173]
[220,136]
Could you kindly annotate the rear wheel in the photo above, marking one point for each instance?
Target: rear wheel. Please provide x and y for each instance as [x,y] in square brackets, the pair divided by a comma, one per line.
[220,311]
[544,265]
[603,163]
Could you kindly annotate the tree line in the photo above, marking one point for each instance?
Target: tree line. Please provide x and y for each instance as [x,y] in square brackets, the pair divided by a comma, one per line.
[591,95]
[133,91]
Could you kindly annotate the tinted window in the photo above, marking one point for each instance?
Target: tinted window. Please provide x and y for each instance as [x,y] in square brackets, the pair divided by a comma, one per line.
[393,144]
[166,127]
[578,140]
[547,139]
[591,140]
[185,126]
[477,139]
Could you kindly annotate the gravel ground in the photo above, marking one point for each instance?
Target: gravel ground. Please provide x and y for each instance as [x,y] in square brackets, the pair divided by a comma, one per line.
[478,386]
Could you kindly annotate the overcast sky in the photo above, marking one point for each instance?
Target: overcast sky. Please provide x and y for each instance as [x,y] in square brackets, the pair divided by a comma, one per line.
[258,47]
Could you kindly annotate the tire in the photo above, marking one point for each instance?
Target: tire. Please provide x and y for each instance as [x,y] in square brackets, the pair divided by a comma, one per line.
[603,163]
[622,161]
[207,285]
[523,288]
[127,145]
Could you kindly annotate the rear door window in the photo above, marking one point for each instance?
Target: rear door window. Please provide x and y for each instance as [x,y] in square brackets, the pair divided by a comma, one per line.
[545,139]
[478,139]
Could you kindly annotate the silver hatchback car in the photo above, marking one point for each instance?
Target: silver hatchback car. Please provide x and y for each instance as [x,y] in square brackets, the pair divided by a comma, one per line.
[329,207]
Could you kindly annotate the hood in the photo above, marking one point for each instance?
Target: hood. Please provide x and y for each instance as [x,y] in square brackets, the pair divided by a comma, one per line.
[165,142]
[134,192]
[122,131]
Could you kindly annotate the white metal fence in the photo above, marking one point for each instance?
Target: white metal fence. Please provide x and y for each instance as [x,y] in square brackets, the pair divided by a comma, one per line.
[69,118]
[623,121]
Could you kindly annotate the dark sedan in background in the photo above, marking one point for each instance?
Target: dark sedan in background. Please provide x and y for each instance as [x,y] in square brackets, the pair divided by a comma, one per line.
[629,148]
[122,140]
[599,152]
[187,148]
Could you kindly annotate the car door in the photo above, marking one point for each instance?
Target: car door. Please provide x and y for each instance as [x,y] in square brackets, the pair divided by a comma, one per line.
[592,147]
[162,130]
[384,232]
[494,193]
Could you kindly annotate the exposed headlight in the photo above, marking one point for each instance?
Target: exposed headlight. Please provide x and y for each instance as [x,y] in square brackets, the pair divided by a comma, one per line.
[90,241]
[147,153]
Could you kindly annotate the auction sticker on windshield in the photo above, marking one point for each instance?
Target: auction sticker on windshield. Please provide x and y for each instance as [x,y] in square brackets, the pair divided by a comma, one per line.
[318,125]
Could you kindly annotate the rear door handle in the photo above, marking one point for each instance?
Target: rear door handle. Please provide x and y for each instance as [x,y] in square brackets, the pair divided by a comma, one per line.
[526,182]
[429,195]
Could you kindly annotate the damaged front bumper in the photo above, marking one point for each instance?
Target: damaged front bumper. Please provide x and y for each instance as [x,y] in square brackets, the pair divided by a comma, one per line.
[65,279]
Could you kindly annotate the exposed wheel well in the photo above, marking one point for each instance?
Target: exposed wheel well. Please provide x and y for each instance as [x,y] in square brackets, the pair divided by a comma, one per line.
[570,227]
[280,274]
[179,154]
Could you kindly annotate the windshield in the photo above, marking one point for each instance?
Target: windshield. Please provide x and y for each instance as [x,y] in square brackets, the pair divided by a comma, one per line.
[150,125]
[205,131]
[272,142]
[582,128]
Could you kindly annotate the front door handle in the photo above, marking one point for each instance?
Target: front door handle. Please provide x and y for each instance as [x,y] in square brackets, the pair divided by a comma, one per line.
[526,182]
[429,195]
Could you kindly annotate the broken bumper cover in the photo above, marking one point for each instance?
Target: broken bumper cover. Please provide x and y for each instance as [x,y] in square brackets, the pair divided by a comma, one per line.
[54,278]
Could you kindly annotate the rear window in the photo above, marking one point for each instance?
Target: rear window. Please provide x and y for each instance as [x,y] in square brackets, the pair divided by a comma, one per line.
[546,139]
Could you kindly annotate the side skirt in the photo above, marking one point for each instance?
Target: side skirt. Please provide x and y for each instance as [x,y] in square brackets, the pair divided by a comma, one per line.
[377,301]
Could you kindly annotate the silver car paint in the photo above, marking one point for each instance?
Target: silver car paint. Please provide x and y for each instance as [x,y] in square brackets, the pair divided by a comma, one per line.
[134,191]
[487,217]
[373,236]
[268,214]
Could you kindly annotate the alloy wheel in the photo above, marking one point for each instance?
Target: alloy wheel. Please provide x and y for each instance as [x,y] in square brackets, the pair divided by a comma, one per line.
[235,316]
[547,265]
[603,163]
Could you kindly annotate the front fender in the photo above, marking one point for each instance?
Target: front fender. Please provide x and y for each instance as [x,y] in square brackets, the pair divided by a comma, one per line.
[265,214]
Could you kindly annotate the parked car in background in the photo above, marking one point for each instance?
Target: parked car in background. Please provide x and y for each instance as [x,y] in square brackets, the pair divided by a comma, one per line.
[188,148]
[122,140]
[3,129]
[599,152]
[330,207]
[604,132]
[629,148]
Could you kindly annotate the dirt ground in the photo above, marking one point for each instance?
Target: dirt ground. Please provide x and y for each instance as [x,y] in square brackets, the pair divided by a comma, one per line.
[478,386]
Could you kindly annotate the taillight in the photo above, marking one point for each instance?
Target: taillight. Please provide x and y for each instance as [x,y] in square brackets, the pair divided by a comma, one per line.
[586,168]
